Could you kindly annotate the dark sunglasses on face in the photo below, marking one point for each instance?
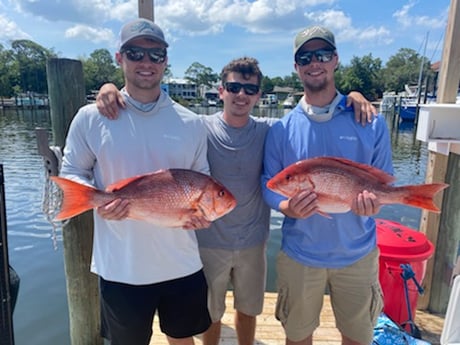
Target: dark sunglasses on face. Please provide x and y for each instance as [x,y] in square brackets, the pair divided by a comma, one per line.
[156,55]
[322,55]
[235,87]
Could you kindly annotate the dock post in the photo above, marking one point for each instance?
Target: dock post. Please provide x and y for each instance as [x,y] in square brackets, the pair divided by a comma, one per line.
[67,94]
[6,310]
[443,229]
[145,9]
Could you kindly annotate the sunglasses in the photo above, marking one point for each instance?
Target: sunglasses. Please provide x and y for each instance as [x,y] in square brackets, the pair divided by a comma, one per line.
[156,55]
[322,55]
[235,87]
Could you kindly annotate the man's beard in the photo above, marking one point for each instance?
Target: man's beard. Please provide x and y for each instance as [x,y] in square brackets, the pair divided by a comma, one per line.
[146,85]
[316,87]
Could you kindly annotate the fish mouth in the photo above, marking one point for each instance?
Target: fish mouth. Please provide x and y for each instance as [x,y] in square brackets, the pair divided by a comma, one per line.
[211,216]
[270,184]
[232,206]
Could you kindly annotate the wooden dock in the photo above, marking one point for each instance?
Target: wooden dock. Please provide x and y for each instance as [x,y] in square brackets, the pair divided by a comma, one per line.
[270,332]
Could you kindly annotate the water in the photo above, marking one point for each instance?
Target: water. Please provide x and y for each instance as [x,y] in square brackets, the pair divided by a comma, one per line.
[41,314]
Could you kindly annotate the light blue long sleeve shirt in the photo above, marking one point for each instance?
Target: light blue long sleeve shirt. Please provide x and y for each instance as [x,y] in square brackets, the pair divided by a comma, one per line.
[345,238]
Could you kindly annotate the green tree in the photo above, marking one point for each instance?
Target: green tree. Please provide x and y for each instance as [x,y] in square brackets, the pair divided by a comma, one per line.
[9,73]
[100,68]
[403,68]
[168,73]
[199,75]
[293,81]
[363,75]
[31,59]
[267,84]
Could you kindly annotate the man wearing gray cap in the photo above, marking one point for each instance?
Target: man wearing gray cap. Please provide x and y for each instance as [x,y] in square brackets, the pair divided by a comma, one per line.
[338,252]
[143,269]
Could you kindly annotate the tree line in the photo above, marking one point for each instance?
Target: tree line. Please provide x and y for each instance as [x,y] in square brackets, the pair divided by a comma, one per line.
[23,69]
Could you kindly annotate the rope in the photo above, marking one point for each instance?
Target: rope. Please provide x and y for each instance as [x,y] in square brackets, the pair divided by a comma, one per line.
[52,200]
[407,274]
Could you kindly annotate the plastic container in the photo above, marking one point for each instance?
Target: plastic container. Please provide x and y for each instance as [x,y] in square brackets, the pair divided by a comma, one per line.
[398,245]
[451,330]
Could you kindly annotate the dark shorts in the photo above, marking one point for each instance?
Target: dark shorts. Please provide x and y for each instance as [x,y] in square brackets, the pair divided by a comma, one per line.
[127,311]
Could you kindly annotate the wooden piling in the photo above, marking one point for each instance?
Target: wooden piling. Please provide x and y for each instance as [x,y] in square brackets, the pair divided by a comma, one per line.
[66,91]
[443,229]
[146,9]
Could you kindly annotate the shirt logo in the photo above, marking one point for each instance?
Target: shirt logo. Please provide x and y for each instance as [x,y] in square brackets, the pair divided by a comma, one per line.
[348,137]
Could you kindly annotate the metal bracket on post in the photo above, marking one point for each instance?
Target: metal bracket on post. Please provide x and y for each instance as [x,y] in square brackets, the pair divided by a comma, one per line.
[49,157]
[52,157]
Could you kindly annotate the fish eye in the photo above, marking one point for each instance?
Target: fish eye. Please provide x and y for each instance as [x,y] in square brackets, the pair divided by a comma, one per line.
[288,177]
[221,193]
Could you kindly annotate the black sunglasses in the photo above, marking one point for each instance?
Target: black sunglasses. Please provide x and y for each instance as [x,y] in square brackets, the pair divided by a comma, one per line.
[322,55]
[156,55]
[235,87]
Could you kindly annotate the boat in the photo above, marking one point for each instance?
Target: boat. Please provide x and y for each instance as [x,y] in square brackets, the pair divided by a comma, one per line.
[408,105]
[25,100]
[268,101]
[388,102]
[209,102]
[212,103]
[407,109]
[289,102]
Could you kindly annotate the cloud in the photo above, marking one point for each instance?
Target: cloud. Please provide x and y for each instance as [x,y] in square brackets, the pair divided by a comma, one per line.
[92,34]
[98,21]
[202,17]
[404,17]
[10,31]
[122,11]
[345,32]
[198,17]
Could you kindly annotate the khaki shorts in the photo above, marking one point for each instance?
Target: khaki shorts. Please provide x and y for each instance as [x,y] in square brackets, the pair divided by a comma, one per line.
[355,293]
[245,270]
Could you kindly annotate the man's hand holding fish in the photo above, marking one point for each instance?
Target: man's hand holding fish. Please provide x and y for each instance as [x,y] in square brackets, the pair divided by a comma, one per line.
[301,205]
[366,204]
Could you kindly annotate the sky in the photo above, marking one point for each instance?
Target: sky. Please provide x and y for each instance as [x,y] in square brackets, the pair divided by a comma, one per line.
[213,32]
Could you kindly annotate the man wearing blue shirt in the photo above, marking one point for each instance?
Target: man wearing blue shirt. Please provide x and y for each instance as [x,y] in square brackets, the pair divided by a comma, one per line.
[318,253]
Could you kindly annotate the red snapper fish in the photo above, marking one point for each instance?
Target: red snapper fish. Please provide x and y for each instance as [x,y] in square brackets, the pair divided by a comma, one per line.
[338,181]
[165,197]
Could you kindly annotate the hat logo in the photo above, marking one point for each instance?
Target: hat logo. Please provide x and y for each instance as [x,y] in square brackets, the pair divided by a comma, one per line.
[141,27]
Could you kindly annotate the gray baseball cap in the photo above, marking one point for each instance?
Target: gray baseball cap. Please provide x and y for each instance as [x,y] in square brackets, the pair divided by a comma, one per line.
[311,33]
[141,28]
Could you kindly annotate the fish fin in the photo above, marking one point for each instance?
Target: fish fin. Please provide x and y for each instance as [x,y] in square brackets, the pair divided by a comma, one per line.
[77,197]
[122,183]
[421,196]
[350,166]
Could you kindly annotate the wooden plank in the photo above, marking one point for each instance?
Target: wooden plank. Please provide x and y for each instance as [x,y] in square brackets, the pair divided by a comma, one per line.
[270,332]
[429,223]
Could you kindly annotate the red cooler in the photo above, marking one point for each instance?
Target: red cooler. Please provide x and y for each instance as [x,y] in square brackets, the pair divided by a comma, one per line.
[398,245]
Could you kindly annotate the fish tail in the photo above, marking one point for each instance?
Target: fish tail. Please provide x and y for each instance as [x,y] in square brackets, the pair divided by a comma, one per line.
[421,196]
[77,198]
